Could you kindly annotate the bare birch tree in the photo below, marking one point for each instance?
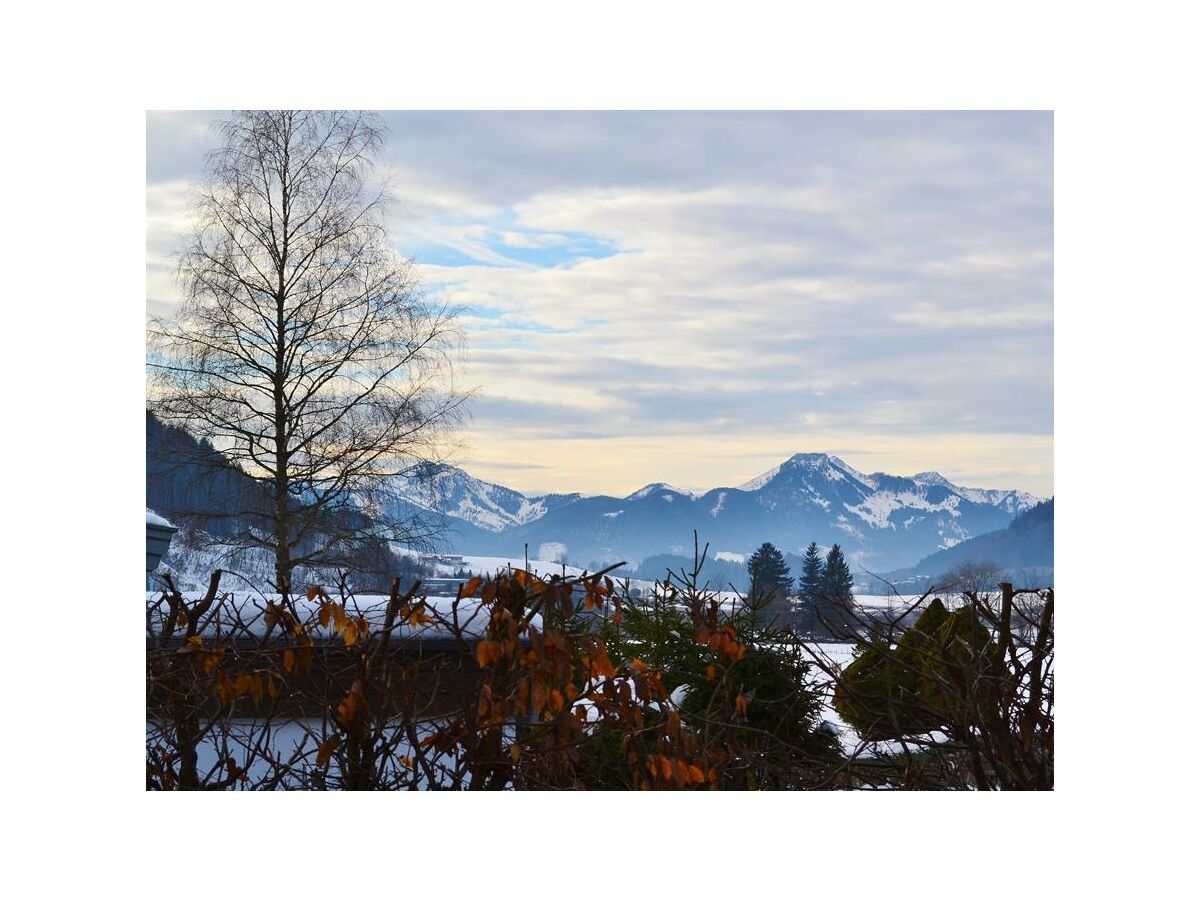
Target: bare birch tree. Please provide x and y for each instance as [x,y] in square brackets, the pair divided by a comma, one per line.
[304,349]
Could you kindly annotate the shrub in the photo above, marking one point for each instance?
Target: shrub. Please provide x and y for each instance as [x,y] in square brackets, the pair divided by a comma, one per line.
[921,683]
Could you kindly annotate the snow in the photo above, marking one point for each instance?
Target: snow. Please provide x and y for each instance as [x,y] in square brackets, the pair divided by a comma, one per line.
[876,508]
[530,511]
[755,483]
[899,602]
[847,469]
[485,518]
[844,524]
[592,713]
[933,478]
[552,550]
[886,601]
[487,505]
[153,518]
[239,614]
[841,655]
[716,510]
[831,468]
[646,491]
[254,745]
[729,556]
[666,489]
[613,515]
[490,565]
[1010,501]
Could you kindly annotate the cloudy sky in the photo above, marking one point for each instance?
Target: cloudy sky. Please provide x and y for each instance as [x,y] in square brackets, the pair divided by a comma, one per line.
[694,297]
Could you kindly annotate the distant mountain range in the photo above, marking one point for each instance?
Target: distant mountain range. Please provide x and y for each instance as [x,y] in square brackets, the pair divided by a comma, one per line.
[1024,550]
[882,521]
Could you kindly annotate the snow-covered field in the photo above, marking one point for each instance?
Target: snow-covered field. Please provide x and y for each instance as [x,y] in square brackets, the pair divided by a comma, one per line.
[243,614]
[244,610]
[292,743]
[886,601]
[491,565]
[898,603]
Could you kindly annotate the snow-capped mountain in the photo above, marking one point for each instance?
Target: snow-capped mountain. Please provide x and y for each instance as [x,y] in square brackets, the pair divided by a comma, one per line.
[1023,551]
[1013,501]
[452,492]
[659,487]
[882,521]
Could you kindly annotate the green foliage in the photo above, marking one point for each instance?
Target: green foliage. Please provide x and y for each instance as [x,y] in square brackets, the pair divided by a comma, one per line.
[812,575]
[836,580]
[770,579]
[747,685]
[922,683]
[780,705]
[831,606]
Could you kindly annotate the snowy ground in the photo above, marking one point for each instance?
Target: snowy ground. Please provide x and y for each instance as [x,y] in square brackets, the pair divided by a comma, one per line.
[242,614]
[886,601]
[853,745]
[297,741]
[491,565]
[245,611]
[292,743]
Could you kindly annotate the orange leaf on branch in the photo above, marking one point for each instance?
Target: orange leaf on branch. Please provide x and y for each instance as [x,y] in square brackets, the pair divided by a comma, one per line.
[353,709]
[326,749]
[487,652]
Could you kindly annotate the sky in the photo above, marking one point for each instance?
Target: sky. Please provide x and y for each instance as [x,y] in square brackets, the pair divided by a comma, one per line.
[694,297]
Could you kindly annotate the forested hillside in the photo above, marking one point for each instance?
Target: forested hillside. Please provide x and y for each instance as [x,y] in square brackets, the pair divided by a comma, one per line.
[1025,548]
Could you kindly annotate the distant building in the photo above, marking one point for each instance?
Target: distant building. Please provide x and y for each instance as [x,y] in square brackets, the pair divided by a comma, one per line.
[158,539]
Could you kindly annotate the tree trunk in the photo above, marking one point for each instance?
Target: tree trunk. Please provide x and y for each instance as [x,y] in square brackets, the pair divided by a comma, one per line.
[283,562]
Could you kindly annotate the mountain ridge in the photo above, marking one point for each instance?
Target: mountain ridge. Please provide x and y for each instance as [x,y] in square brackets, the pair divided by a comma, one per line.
[881,520]
[1024,547]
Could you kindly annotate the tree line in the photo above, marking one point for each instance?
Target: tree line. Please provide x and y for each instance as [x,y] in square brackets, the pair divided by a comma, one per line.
[823,593]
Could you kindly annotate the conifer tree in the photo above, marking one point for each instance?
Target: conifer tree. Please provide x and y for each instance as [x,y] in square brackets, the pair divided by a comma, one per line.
[836,578]
[812,573]
[770,578]
[831,608]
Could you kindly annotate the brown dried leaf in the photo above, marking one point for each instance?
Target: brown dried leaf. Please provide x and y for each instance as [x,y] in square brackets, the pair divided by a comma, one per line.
[326,748]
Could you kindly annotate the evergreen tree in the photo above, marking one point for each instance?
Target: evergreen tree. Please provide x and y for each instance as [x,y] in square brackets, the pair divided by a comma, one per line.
[831,607]
[836,578]
[812,573]
[770,578]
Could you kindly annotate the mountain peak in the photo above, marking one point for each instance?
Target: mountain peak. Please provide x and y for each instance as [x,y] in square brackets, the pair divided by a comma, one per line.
[657,487]
[811,458]
[831,467]
[933,478]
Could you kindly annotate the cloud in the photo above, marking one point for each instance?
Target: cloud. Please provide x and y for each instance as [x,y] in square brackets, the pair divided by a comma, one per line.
[880,282]
[533,240]
[167,228]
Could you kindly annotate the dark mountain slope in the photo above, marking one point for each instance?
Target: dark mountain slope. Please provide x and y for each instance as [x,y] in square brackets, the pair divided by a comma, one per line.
[1026,545]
